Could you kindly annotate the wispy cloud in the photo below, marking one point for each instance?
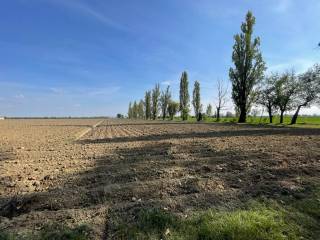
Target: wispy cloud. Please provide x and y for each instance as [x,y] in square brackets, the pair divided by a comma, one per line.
[19,96]
[282,6]
[166,83]
[56,90]
[89,11]
[298,65]
[103,91]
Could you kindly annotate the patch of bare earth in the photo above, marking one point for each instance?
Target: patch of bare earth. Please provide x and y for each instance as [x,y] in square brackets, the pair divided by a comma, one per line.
[120,167]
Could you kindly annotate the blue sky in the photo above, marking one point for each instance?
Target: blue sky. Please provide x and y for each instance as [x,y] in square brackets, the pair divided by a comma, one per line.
[91,57]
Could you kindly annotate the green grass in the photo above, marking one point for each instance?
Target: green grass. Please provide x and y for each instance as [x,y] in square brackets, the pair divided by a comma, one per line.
[52,232]
[261,223]
[288,219]
[302,121]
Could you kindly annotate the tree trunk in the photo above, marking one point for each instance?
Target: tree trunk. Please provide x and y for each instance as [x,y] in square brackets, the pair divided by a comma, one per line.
[270,118]
[199,117]
[295,116]
[218,114]
[270,115]
[281,116]
[243,116]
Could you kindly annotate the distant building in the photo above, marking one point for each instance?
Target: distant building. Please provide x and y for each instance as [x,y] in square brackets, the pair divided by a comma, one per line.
[2,118]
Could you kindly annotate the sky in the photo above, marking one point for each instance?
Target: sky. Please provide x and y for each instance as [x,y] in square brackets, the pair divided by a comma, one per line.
[92,57]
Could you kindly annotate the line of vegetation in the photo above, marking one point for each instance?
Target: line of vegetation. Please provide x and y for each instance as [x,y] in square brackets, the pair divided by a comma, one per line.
[276,92]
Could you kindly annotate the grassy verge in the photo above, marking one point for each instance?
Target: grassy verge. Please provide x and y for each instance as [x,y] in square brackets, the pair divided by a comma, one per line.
[262,220]
[313,122]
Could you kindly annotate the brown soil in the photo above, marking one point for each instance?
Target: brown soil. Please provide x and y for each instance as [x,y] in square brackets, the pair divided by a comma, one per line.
[51,172]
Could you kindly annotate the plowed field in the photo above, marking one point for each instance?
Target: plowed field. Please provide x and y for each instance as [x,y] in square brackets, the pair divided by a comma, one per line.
[102,172]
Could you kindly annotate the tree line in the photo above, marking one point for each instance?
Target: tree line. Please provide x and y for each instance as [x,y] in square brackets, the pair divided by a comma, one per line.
[159,102]
[276,92]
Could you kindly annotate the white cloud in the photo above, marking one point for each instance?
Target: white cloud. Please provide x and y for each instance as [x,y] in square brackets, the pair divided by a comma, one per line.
[166,83]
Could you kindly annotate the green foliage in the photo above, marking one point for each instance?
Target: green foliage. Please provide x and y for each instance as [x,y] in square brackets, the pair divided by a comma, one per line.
[130,113]
[249,67]
[140,113]
[135,110]
[184,96]
[147,101]
[196,100]
[164,101]
[173,108]
[155,101]
[209,110]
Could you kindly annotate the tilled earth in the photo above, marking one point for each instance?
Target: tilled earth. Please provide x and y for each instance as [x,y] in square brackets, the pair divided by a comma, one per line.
[73,172]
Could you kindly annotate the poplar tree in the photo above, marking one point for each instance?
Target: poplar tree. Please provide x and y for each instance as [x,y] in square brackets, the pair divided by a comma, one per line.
[196,101]
[209,110]
[155,101]
[184,96]
[130,111]
[248,67]
[147,102]
[141,109]
[164,101]
[135,110]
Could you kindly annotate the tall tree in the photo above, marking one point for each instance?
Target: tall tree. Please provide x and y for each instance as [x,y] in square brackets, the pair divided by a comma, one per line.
[173,108]
[249,66]
[141,109]
[196,100]
[285,89]
[184,96]
[130,111]
[267,95]
[221,99]
[209,110]
[155,101]
[147,102]
[135,110]
[308,90]
[164,101]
